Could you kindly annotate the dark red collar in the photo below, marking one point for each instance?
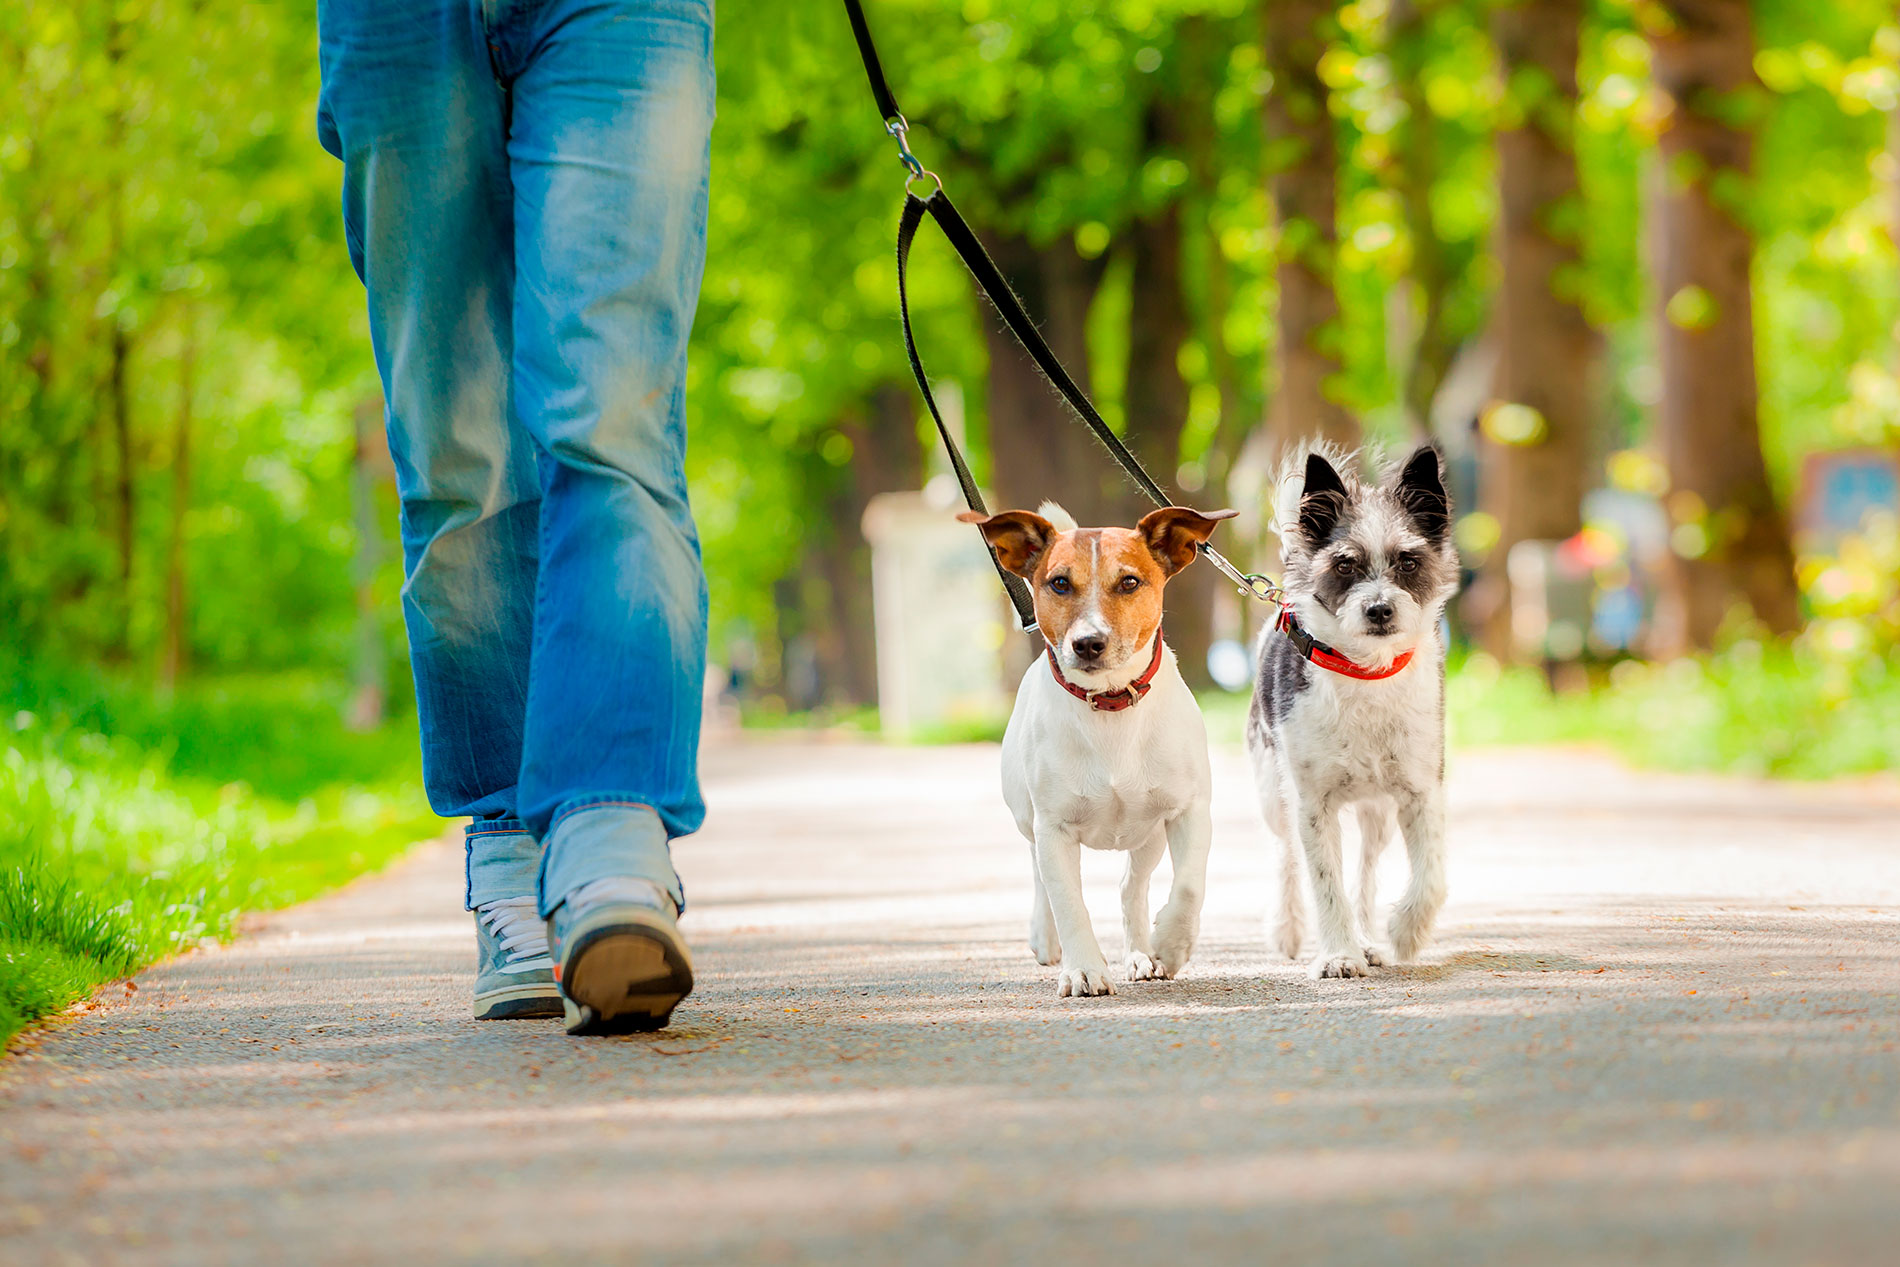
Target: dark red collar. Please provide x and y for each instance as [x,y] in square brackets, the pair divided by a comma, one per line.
[1110,701]
[1327,658]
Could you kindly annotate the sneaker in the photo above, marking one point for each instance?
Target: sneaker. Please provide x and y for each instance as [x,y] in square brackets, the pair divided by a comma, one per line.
[619,957]
[514,977]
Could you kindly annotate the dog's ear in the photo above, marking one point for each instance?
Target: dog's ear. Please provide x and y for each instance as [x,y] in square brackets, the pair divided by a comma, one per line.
[1173,531]
[1322,500]
[1017,536]
[1421,490]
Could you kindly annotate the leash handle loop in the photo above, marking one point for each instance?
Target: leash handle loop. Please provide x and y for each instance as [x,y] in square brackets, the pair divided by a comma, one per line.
[1017,588]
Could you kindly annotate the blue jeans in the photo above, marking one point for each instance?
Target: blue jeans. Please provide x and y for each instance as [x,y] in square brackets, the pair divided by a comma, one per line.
[524,197]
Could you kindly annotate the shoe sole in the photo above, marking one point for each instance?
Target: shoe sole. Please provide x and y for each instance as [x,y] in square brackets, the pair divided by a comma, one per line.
[627,975]
[519,1002]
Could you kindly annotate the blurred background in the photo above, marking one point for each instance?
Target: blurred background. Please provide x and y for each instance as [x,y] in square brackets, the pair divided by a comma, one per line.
[1630,262]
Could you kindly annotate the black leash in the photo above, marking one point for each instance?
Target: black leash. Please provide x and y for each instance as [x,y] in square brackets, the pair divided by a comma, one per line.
[914,209]
[995,287]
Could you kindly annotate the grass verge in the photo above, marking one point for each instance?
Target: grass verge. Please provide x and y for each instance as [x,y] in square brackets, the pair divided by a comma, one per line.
[1780,711]
[133,827]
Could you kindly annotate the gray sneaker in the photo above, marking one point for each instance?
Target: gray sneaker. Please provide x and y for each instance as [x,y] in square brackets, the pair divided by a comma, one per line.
[619,957]
[514,977]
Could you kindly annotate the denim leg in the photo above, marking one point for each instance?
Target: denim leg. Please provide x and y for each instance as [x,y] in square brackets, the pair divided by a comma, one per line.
[608,150]
[502,861]
[411,105]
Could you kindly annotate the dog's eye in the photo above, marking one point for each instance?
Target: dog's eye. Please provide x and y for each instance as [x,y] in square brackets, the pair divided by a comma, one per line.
[1408,564]
[1346,567]
[1129,584]
[1058,585]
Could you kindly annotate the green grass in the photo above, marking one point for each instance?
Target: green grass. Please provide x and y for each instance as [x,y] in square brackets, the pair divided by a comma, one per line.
[1780,711]
[133,827]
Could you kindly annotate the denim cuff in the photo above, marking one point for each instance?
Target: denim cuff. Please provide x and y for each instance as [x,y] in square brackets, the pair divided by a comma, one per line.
[503,861]
[605,837]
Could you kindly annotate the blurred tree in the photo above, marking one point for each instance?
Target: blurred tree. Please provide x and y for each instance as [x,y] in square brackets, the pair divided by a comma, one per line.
[1536,429]
[885,457]
[1039,451]
[1301,160]
[1419,163]
[1730,540]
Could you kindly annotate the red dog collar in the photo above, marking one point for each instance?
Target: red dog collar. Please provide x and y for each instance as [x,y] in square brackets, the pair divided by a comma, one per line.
[1109,701]
[1327,658]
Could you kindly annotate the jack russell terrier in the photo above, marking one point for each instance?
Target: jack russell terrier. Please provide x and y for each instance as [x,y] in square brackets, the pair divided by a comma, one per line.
[1106,747]
[1349,709]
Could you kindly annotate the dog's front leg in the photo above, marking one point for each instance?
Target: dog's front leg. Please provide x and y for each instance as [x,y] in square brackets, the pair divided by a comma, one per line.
[1339,952]
[1043,942]
[1059,864]
[1179,924]
[1422,822]
[1137,945]
[1375,829]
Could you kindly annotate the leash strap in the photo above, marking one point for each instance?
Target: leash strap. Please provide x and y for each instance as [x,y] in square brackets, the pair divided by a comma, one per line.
[996,288]
[873,69]
[914,209]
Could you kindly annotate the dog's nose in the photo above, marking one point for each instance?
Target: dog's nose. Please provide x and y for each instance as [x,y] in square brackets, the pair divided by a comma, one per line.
[1378,613]
[1088,646]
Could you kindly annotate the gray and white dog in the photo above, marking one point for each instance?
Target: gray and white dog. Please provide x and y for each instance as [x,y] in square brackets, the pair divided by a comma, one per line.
[1349,708]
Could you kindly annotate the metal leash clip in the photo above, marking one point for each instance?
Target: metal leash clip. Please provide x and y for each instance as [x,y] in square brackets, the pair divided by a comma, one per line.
[897,127]
[1252,584]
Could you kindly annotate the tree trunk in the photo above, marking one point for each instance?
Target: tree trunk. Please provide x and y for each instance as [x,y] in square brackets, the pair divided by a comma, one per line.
[118,390]
[1156,394]
[125,474]
[1731,539]
[176,653]
[886,457]
[1302,159]
[1535,450]
[370,466]
[1038,449]
[1418,161]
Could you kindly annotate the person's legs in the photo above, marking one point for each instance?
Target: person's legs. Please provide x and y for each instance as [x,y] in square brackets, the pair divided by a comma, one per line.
[608,152]
[410,105]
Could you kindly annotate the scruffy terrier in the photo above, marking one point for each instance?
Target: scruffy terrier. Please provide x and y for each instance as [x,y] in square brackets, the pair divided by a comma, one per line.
[1349,708]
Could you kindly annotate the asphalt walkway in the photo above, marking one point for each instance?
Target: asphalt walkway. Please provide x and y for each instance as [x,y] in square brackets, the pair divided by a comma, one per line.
[1659,1025]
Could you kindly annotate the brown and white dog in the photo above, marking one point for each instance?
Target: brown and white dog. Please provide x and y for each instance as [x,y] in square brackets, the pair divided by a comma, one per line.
[1106,747]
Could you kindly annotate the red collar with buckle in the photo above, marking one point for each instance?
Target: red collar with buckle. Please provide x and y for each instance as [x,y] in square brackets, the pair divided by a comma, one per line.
[1327,658]
[1109,701]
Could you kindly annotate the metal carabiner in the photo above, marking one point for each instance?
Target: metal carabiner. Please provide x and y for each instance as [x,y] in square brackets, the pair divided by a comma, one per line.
[897,128]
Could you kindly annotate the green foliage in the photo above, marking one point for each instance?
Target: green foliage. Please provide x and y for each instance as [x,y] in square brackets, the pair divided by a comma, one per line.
[1795,712]
[159,183]
[131,828]
[161,190]
[1748,710]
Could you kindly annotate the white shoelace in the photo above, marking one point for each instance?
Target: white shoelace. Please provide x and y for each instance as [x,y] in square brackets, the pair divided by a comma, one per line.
[516,924]
[620,889]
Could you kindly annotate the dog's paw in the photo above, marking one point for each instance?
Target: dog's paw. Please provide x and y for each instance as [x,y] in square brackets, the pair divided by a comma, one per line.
[1286,939]
[1409,933]
[1375,957]
[1176,931]
[1353,965]
[1044,943]
[1142,968]
[1083,981]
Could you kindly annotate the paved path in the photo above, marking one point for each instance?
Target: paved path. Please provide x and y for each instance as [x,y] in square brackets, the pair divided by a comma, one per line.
[1660,1025]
